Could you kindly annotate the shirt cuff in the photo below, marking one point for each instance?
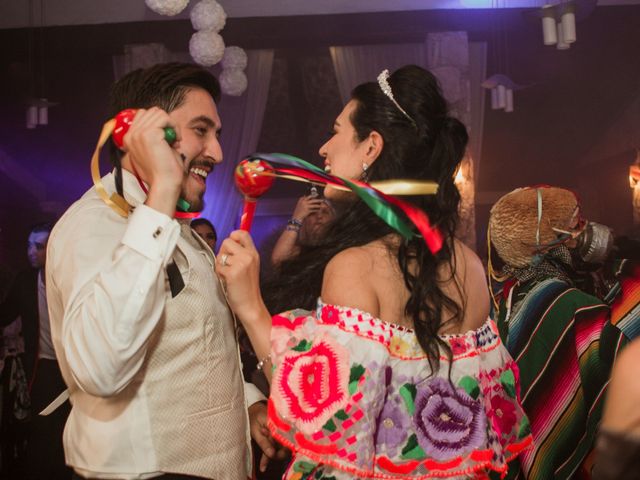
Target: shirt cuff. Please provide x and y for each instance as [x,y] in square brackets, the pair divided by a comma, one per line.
[252,394]
[151,233]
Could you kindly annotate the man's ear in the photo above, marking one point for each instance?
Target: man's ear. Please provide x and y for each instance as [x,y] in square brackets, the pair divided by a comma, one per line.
[375,143]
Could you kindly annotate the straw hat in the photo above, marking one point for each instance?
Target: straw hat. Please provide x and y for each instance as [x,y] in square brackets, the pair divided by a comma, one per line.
[515,231]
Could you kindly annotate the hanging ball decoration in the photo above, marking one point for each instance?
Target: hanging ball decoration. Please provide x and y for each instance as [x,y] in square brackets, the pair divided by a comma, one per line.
[206,47]
[208,15]
[167,7]
[234,58]
[233,82]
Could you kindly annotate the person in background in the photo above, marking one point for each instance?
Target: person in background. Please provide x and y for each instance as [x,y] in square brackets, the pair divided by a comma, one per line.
[556,320]
[386,363]
[27,300]
[206,230]
[618,444]
[306,227]
[140,324]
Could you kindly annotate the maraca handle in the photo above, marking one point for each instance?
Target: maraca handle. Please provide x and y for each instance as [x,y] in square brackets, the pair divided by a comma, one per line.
[123,122]
[248,210]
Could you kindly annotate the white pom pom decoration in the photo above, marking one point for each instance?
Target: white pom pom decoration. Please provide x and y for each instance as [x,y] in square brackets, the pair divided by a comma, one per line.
[233,82]
[167,7]
[208,15]
[206,47]
[234,58]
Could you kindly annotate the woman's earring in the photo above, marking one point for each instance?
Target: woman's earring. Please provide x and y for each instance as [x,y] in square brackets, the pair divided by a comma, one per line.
[365,166]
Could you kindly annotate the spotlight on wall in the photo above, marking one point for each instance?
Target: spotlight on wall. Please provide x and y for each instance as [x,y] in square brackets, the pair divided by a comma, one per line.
[634,175]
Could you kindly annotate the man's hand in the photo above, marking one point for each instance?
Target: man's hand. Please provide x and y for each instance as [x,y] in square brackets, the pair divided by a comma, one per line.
[157,163]
[261,435]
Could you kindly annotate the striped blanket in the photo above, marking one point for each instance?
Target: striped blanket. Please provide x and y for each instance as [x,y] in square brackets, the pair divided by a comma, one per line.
[564,345]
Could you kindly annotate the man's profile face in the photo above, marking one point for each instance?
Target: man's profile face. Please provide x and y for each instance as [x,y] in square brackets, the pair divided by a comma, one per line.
[37,248]
[199,124]
[207,234]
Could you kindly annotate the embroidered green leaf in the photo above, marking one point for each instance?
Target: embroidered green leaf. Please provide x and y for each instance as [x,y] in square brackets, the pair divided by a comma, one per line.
[354,377]
[508,380]
[303,467]
[341,415]
[356,372]
[330,426]
[470,385]
[525,428]
[412,450]
[303,346]
[408,394]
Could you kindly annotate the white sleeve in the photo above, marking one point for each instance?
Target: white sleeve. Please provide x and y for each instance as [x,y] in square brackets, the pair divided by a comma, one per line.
[252,394]
[110,278]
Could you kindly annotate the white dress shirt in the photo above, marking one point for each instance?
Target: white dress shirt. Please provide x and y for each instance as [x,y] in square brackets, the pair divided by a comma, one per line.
[106,293]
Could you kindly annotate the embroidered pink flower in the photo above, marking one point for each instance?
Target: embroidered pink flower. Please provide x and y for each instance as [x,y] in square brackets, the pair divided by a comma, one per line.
[311,383]
[458,345]
[330,315]
[502,415]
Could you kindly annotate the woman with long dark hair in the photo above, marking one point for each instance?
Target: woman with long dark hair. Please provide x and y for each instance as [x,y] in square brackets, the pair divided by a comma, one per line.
[385,364]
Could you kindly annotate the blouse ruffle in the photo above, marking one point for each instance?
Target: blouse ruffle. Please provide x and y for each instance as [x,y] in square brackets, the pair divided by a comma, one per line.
[353,396]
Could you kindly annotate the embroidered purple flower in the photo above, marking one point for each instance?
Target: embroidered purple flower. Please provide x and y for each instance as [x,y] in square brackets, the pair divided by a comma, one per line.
[392,428]
[448,421]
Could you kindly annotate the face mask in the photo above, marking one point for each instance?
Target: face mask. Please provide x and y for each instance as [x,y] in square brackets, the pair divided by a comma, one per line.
[594,243]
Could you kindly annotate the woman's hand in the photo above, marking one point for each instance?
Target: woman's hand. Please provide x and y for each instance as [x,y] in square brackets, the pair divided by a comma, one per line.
[306,206]
[238,265]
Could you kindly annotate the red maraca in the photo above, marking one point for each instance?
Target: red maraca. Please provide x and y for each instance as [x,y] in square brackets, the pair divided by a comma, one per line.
[124,119]
[253,178]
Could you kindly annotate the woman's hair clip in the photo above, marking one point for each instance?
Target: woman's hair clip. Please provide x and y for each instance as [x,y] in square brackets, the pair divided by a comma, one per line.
[383,81]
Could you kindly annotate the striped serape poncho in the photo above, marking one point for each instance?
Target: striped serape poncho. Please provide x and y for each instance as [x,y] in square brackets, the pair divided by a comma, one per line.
[564,345]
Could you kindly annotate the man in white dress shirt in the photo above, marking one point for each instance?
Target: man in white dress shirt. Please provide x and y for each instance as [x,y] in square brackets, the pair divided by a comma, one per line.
[139,321]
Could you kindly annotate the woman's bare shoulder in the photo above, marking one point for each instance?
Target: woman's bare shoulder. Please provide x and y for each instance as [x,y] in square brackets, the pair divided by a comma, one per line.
[471,276]
[347,280]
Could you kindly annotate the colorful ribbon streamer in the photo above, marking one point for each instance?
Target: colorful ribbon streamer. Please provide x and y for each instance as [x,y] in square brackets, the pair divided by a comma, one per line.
[383,205]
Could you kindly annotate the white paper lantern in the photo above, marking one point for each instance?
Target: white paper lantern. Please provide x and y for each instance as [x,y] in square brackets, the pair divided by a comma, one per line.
[208,15]
[502,96]
[509,105]
[561,45]
[32,116]
[206,47]
[233,82]
[234,58]
[494,99]
[549,34]
[167,7]
[568,20]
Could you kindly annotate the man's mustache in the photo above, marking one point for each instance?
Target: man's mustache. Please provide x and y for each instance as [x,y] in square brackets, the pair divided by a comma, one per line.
[199,163]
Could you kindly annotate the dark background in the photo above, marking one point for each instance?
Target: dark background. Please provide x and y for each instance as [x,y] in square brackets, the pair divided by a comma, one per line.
[577,125]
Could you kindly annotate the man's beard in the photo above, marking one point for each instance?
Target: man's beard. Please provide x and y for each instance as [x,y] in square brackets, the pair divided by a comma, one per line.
[196,204]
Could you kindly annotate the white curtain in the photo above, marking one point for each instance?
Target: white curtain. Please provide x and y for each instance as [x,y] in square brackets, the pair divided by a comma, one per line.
[241,125]
[358,64]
